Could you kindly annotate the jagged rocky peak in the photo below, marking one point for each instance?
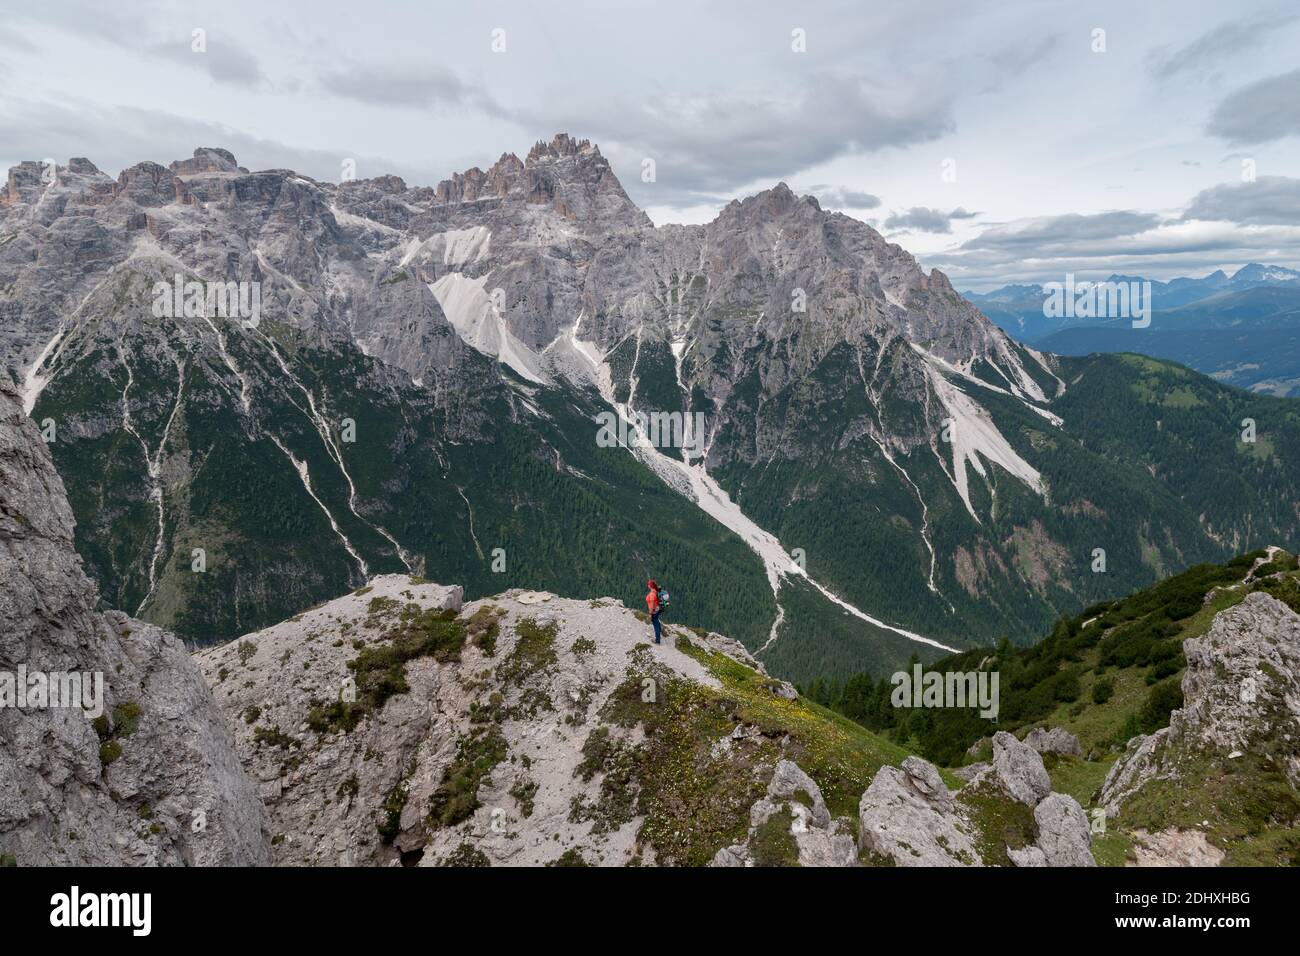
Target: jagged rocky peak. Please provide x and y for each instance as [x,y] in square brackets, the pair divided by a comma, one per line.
[27,175]
[938,281]
[149,184]
[570,176]
[774,226]
[561,145]
[112,750]
[796,234]
[506,165]
[388,184]
[28,181]
[208,159]
[778,200]
[507,174]
[474,183]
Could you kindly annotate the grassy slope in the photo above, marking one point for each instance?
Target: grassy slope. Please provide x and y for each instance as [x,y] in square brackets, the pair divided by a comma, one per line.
[1133,646]
[696,799]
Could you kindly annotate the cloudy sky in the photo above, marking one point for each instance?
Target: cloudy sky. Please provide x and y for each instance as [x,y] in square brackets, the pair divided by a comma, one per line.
[1010,141]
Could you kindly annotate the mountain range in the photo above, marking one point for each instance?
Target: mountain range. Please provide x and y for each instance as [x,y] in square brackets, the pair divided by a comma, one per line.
[1019,308]
[859,467]
[1239,329]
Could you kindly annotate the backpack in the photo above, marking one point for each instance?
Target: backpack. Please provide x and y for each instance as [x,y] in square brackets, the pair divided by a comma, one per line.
[663,599]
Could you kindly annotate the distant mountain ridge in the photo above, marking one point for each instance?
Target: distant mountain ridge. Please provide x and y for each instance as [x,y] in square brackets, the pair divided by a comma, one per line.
[1018,309]
[1242,329]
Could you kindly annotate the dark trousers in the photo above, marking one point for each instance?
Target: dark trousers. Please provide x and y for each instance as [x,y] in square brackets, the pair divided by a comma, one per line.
[654,619]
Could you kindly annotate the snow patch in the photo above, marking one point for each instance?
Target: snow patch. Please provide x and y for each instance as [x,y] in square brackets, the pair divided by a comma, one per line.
[344,218]
[468,308]
[455,247]
[305,477]
[33,382]
[1042,361]
[963,370]
[974,436]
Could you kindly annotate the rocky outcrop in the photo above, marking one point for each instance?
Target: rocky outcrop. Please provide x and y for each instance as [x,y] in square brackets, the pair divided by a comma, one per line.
[1174,847]
[1132,770]
[791,825]
[492,740]
[399,725]
[1056,740]
[208,159]
[1063,834]
[909,817]
[1019,769]
[1241,695]
[1243,679]
[139,768]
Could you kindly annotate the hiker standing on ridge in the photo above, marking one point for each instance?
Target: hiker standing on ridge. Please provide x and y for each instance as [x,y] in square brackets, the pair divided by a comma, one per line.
[653,606]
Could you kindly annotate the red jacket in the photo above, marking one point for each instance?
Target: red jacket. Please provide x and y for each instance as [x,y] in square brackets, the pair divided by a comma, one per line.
[652,601]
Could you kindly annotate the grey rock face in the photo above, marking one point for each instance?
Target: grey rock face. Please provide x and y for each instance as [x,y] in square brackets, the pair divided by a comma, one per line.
[155,781]
[1135,767]
[791,783]
[909,815]
[1057,740]
[1019,769]
[361,794]
[832,846]
[794,801]
[1243,677]
[1063,833]
[1242,686]
[924,777]
[1027,856]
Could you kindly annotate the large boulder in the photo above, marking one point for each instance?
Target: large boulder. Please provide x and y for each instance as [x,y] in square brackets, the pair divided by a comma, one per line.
[1019,769]
[1057,740]
[1064,836]
[908,815]
[791,783]
[791,825]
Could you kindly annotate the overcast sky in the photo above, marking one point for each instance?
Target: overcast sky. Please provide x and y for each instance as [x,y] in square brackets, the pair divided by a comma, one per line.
[999,142]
